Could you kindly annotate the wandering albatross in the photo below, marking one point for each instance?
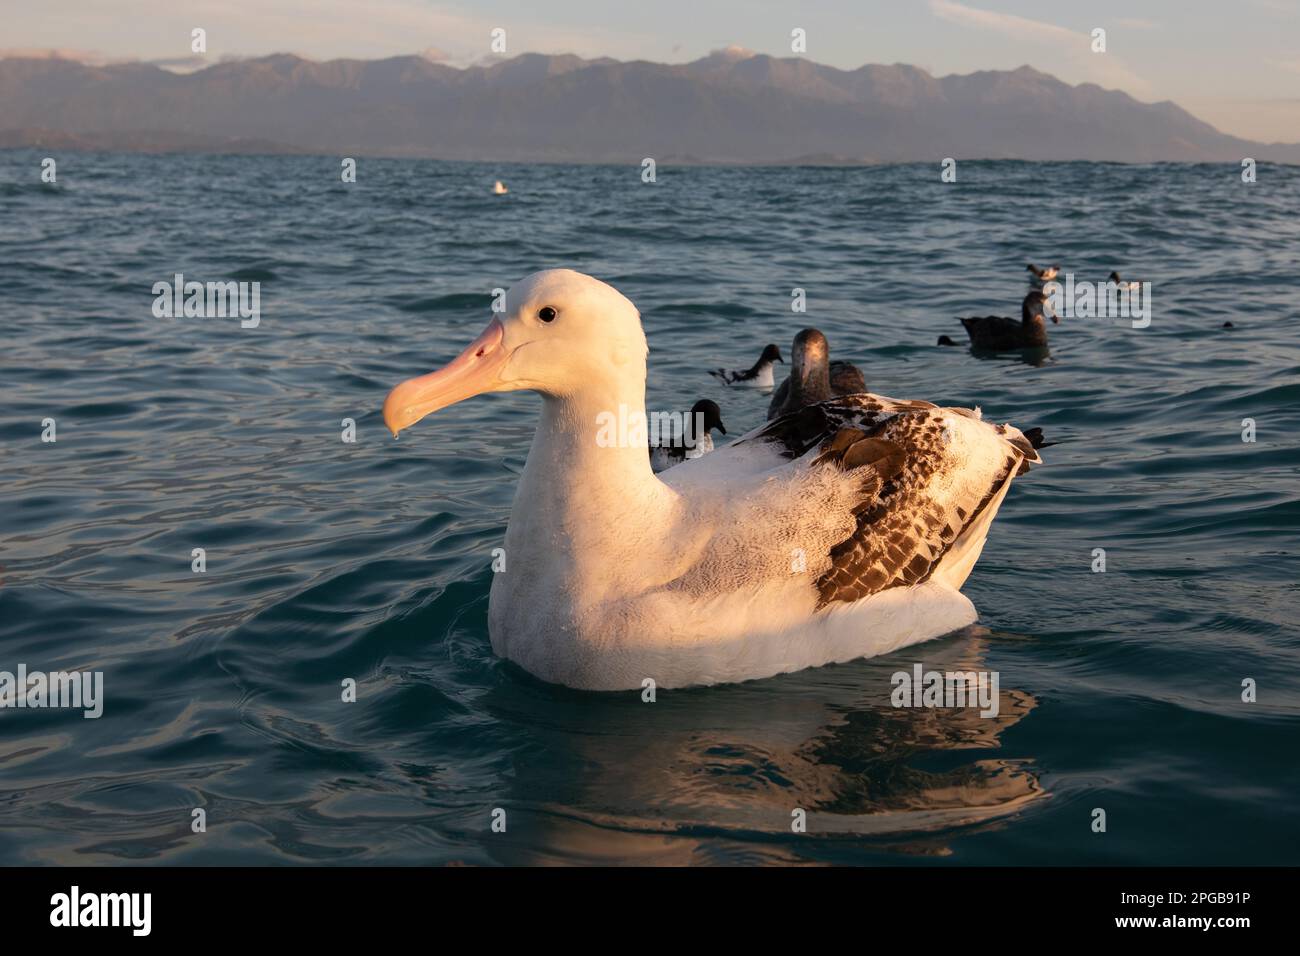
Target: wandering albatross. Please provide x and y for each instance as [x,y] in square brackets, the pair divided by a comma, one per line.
[842,530]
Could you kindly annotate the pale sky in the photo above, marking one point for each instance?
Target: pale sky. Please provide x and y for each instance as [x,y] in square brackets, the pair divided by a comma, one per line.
[1233,63]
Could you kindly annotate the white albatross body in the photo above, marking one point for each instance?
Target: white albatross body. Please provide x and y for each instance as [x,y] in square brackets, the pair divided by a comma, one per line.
[748,562]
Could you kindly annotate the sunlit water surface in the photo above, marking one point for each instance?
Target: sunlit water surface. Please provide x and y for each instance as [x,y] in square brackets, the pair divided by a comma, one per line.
[1119,690]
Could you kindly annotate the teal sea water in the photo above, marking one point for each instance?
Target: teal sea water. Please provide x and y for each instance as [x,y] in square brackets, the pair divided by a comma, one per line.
[1118,690]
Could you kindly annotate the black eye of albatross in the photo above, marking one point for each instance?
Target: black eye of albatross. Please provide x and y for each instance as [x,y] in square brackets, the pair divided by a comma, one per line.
[546,314]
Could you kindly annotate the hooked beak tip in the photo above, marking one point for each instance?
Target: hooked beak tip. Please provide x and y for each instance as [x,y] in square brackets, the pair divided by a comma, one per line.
[392,423]
[473,372]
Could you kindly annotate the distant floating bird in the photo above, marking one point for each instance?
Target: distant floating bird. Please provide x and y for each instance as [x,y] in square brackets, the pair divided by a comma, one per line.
[695,440]
[1124,285]
[945,340]
[993,333]
[1044,275]
[1227,325]
[844,530]
[499,188]
[758,376]
[813,377]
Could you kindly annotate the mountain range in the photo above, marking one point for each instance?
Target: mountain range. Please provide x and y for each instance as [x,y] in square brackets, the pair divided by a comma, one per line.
[729,107]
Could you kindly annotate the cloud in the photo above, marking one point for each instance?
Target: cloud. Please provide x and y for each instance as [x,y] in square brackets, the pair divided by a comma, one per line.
[1058,45]
[1276,6]
[191,61]
[733,52]
[182,64]
[318,29]
[88,57]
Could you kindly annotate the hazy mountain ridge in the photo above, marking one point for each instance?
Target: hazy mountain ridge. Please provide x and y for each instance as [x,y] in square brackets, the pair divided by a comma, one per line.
[727,107]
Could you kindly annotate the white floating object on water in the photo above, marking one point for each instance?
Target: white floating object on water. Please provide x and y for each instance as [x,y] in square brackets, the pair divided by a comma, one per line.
[499,188]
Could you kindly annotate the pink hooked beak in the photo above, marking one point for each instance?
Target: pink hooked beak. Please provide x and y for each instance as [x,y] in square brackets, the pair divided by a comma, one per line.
[471,373]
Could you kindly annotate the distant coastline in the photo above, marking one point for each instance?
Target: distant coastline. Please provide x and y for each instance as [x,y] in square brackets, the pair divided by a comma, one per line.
[127,144]
[724,109]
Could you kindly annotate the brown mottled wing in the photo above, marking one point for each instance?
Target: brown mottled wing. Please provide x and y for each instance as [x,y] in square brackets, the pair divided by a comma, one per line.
[1027,442]
[809,427]
[902,531]
[904,523]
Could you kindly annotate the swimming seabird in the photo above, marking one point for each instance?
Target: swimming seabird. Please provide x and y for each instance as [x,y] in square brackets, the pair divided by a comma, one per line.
[1124,285]
[1044,275]
[843,530]
[759,375]
[695,439]
[813,378]
[993,333]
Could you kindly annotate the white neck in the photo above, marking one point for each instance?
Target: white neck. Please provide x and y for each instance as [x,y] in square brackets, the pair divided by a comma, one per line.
[589,505]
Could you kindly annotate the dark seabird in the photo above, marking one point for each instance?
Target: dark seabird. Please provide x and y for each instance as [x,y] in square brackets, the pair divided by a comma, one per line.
[1125,285]
[995,333]
[813,377]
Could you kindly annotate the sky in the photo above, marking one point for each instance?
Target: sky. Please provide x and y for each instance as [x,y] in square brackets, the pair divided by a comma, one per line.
[1232,63]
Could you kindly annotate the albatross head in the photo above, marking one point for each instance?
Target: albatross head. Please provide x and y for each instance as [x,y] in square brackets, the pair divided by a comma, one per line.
[562,332]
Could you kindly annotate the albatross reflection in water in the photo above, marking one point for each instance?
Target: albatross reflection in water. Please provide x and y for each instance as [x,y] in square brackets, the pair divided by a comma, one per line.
[714,775]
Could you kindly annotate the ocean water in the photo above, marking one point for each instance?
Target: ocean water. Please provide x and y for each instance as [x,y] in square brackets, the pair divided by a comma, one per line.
[1119,690]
